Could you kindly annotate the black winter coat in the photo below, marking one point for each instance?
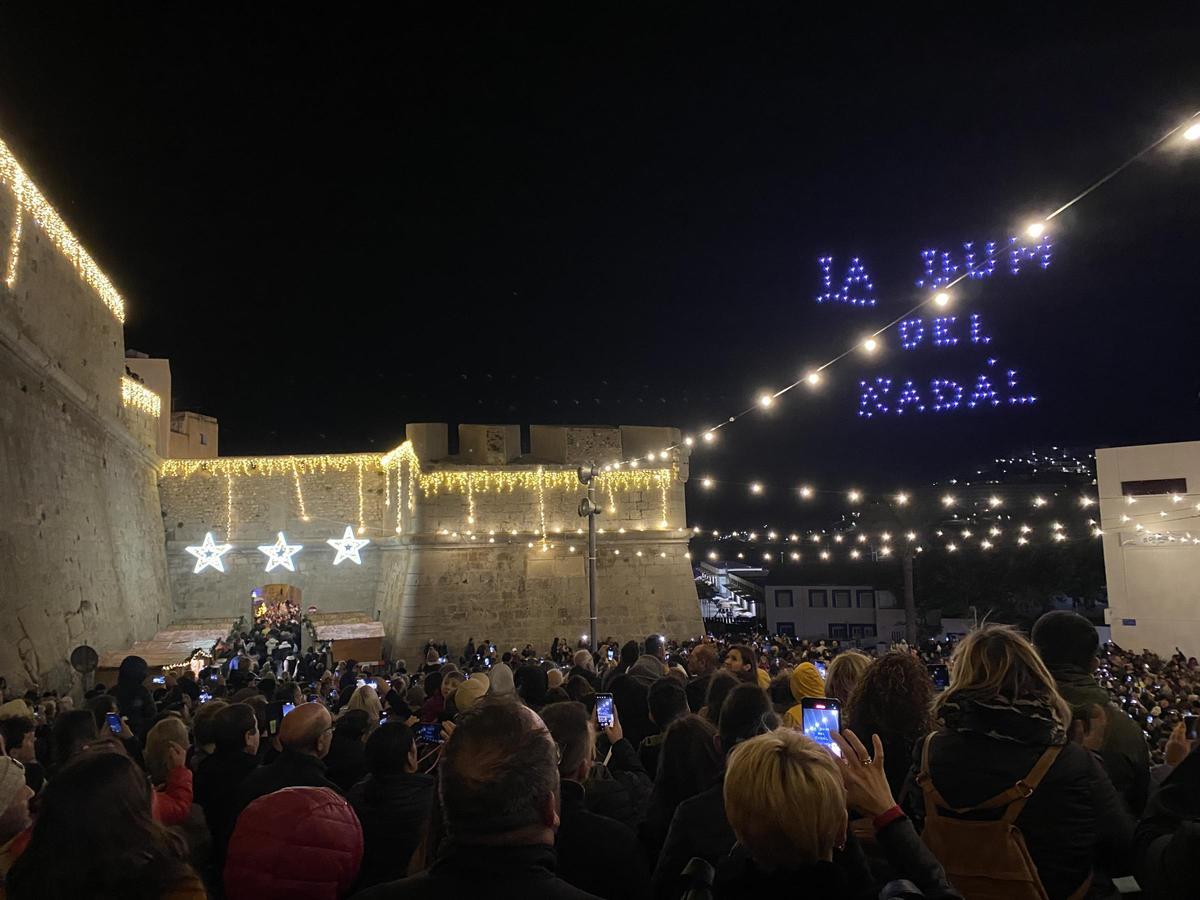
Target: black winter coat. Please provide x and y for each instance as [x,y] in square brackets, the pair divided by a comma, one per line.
[587,844]
[215,790]
[1074,816]
[620,789]
[289,769]
[698,828]
[346,762]
[392,810]
[494,873]
[1168,836]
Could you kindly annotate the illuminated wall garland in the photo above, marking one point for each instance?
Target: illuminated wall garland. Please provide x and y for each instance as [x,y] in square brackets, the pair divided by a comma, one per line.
[135,395]
[30,200]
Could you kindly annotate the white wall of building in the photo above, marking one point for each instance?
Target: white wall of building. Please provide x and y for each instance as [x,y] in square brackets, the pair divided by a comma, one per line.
[1153,574]
[851,611]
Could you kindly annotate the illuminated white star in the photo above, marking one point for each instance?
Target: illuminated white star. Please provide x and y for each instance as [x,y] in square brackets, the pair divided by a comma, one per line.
[280,553]
[209,554]
[347,547]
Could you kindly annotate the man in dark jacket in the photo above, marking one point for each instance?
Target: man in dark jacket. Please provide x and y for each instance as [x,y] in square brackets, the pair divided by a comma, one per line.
[304,734]
[219,776]
[498,782]
[134,701]
[1067,643]
[582,833]
[393,803]
[702,662]
[667,701]
[699,827]
[346,762]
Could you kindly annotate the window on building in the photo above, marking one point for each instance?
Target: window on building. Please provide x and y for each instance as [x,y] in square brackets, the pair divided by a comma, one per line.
[788,628]
[1154,486]
[203,439]
[841,599]
[866,599]
[868,631]
[837,632]
[817,598]
[783,598]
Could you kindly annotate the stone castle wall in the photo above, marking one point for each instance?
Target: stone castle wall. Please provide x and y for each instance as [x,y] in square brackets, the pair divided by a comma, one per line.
[81,539]
[443,576]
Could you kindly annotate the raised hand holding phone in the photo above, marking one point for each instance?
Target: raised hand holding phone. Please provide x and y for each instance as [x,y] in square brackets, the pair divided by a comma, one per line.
[867,788]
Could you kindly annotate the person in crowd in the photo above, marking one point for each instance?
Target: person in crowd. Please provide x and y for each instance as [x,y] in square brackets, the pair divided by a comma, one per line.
[95,836]
[667,701]
[843,673]
[532,685]
[584,667]
[15,818]
[628,656]
[186,684]
[894,701]
[498,784]
[305,735]
[651,665]
[204,733]
[580,831]
[1002,721]
[219,777]
[470,692]
[16,732]
[1167,840]
[433,661]
[699,827]
[630,694]
[719,685]
[166,759]
[346,762]
[805,681]
[582,690]
[134,701]
[742,662]
[500,678]
[72,733]
[689,762]
[435,701]
[1068,645]
[786,801]
[300,842]
[554,678]
[701,664]
[393,803]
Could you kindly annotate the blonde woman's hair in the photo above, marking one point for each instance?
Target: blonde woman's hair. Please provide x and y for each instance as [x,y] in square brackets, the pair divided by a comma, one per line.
[843,672]
[785,799]
[169,730]
[999,661]
[366,699]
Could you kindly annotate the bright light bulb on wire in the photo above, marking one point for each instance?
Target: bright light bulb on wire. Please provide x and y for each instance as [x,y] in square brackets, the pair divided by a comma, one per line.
[941,298]
[765,401]
[1035,229]
[813,378]
[706,482]
[870,345]
[1193,133]
[756,488]
[806,492]
[901,499]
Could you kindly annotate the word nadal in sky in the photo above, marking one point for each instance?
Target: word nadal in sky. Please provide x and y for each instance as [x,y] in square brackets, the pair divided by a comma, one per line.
[940,268]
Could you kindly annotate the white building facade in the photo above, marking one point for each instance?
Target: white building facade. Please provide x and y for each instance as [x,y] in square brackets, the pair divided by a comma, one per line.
[1150,515]
[855,613]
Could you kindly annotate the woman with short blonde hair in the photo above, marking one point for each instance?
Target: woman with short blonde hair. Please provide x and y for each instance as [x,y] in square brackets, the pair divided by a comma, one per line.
[785,800]
[366,699]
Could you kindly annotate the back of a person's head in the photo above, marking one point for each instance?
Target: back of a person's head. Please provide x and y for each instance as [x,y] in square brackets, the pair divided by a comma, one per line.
[299,842]
[72,730]
[719,686]
[13,731]
[689,760]
[432,683]
[784,799]
[388,748]
[496,772]
[1065,638]
[531,683]
[167,732]
[656,644]
[583,659]
[204,722]
[667,700]
[629,653]
[843,673]
[95,835]
[579,688]
[746,713]
[352,724]
[570,726]
[997,661]
[893,696]
[285,691]
[702,659]
[231,724]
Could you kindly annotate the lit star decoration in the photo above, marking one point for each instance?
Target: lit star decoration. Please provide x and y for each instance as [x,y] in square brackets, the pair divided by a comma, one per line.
[280,553]
[209,554]
[347,547]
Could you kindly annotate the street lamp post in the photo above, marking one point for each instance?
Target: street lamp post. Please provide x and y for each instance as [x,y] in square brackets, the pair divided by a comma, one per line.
[588,508]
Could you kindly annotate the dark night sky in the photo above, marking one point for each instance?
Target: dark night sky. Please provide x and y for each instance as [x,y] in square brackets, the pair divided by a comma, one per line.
[336,224]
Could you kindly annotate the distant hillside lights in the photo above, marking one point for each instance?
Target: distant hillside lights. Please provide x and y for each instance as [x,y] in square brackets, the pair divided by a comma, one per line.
[137,396]
[29,199]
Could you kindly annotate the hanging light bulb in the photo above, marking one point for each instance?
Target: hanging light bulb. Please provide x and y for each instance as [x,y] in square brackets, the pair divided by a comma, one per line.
[1035,229]
[941,298]
[1193,133]
[870,345]
[765,401]
[901,499]
[706,482]
[756,488]
[806,492]
[813,378]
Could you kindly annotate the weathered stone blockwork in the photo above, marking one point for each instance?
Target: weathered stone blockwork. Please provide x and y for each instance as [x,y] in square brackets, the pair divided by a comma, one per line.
[442,577]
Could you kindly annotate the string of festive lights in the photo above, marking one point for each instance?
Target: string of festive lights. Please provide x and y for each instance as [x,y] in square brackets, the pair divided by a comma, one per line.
[137,396]
[30,200]
[939,286]
[362,525]
[299,492]
[228,507]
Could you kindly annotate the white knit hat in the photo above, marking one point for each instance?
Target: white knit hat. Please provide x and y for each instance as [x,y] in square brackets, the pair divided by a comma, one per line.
[15,709]
[12,779]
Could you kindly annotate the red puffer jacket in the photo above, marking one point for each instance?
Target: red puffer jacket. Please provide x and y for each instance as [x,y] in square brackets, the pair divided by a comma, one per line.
[300,843]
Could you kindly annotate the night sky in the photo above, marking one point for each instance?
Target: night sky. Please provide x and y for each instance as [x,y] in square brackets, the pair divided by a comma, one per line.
[336,224]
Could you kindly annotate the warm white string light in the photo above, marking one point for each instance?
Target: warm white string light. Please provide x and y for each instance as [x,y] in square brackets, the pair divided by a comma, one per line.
[135,395]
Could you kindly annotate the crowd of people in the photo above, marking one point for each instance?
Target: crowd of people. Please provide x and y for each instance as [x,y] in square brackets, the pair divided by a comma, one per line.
[1000,765]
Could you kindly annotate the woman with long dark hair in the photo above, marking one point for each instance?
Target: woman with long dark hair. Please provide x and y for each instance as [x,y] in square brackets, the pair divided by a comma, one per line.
[688,763]
[742,662]
[95,837]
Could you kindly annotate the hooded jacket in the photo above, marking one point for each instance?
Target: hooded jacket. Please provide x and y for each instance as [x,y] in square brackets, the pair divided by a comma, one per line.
[805,682]
[1125,754]
[133,700]
[392,809]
